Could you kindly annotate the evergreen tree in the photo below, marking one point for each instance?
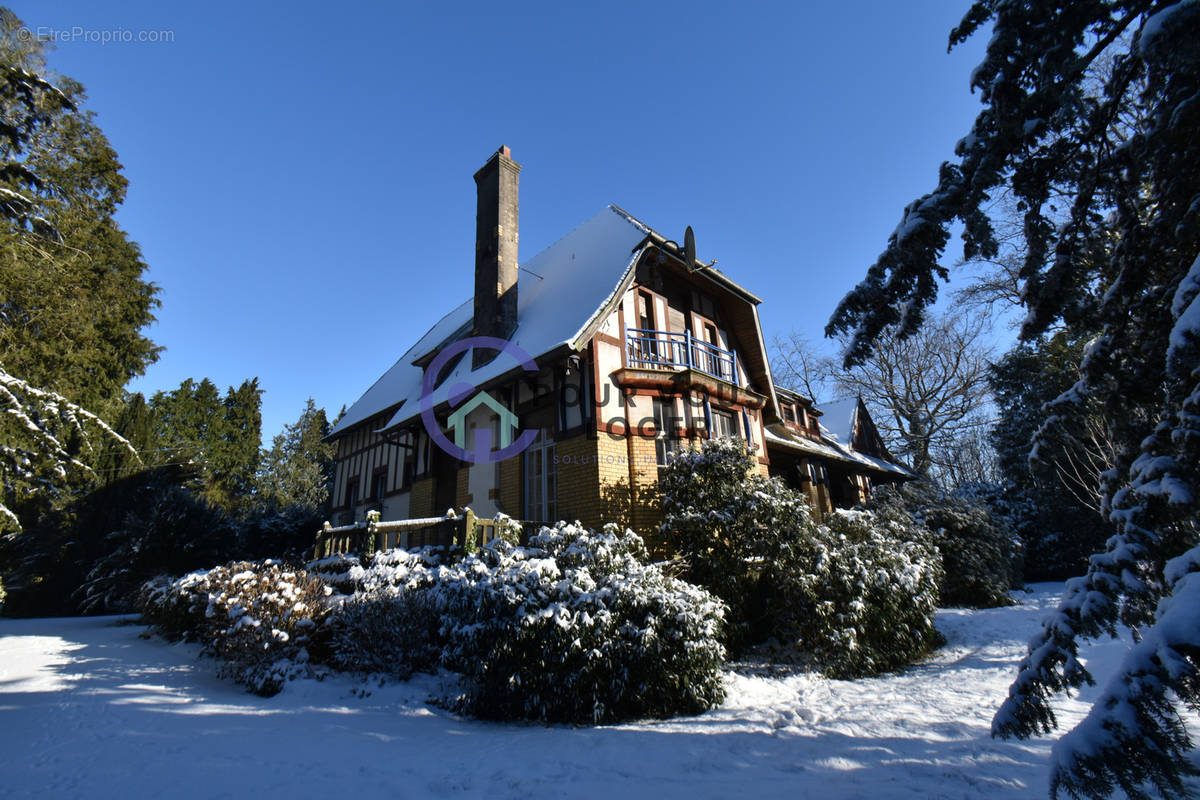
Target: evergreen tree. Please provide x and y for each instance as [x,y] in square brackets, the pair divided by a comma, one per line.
[1053,495]
[73,302]
[298,469]
[221,437]
[46,440]
[235,462]
[1091,120]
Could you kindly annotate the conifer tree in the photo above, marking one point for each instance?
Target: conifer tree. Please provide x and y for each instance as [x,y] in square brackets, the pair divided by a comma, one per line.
[73,301]
[1091,120]
[46,440]
[1052,493]
[298,469]
[220,437]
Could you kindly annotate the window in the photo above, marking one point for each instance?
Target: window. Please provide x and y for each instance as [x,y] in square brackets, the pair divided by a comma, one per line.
[666,440]
[724,424]
[352,492]
[789,413]
[541,479]
[379,483]
[645,304]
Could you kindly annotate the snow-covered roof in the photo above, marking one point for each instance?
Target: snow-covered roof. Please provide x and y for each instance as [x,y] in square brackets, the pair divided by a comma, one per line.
[872,462]
[838,419]
[829,447]
[803,445]
[562,290]
[837,430]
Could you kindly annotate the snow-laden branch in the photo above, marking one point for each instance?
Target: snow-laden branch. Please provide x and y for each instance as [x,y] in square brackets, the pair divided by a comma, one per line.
[33,456]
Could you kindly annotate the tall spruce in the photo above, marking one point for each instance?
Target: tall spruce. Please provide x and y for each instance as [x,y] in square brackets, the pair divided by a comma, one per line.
[219,437]
[298,469]
[1091,120]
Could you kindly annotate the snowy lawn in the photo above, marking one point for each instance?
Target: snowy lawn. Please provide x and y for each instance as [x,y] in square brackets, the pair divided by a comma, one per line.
[90,709]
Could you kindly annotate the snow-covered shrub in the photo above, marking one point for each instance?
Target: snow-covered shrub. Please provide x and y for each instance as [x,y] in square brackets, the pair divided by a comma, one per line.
[979,551]
[576,627]
[258,618]
[861,596]
[390,623]
[732,528]
[335,571]
[386,570]
[855,595]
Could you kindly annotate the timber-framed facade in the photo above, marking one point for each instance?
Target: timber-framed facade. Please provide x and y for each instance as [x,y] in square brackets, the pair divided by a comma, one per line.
[619,347]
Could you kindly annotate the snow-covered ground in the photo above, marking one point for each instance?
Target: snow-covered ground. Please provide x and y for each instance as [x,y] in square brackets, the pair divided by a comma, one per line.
[88,708]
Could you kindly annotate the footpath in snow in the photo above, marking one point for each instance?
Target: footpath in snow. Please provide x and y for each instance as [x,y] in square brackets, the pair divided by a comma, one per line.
[88,708]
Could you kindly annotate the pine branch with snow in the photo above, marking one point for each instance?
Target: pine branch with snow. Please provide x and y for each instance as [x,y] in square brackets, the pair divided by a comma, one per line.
[1091,123]
[44,439]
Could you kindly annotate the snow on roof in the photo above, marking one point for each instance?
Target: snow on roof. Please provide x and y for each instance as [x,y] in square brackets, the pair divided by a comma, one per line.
[873,462]
[803,445]
[830,448]
[838,419]
[837,438]
[562,289]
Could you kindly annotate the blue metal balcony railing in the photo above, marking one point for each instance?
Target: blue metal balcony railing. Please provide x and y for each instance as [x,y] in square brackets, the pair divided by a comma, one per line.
[668,350]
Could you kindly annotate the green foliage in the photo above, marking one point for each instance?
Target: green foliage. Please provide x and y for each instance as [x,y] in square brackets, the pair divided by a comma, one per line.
[257,617]
[734,530]
[92,554]
[194,425]
[298,469]
[1054,496]
[394,636]
[45,444]
[73,299]
[855,595]
[166,530]
[863,597]
[977,547]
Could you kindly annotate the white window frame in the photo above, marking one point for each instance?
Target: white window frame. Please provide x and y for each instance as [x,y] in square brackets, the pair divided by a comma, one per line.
[540,473]
[734,428]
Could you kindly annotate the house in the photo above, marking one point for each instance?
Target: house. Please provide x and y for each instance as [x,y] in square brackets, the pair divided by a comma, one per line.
[834,453]
[564,384]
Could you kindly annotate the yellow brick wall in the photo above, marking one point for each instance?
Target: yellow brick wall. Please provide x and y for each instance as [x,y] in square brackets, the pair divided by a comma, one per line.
[612,474]
[420,502]
[647,505]
[509,498]
[462,494]
[578,493]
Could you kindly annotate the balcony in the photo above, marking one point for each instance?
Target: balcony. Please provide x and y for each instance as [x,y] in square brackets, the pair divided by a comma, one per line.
[665,350]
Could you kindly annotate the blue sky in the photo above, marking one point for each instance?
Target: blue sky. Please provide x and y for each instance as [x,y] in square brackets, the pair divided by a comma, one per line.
[301,182]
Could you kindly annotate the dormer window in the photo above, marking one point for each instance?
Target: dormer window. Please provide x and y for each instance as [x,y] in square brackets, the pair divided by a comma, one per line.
[789,413]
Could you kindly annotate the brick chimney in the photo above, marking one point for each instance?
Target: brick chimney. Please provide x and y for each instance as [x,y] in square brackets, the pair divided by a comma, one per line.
[496,185]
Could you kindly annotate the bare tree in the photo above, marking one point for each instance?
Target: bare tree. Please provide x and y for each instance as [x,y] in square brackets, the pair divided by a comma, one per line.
[926,392]
[796,364]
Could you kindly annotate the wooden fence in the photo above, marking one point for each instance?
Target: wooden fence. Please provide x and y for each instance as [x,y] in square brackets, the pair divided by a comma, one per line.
[365,538]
